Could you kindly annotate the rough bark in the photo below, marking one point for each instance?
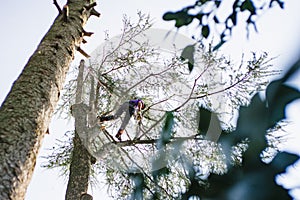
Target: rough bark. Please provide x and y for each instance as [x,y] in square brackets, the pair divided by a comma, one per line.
[79,170]
[81,159]
[27,110]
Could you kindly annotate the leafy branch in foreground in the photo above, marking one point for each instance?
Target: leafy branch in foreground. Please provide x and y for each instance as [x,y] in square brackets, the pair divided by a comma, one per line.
[207,12]
[170,143]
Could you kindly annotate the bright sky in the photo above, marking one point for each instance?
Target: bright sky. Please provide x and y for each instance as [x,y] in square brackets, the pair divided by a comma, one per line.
[26,22]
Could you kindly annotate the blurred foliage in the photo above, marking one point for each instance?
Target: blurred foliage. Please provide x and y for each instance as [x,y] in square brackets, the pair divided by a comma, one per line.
[207,12]
[188,54]
[182,163]
[254,179]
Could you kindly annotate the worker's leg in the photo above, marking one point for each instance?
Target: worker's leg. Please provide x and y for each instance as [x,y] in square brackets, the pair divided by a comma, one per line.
[129,113]
[122,108]
[106,118]
[119,112]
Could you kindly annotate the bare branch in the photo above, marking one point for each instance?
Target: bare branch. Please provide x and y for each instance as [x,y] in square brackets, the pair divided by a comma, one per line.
[85,33]
[145,173]
[193,88]
[82,52]
[153,141]
[150,75]
[154,125]
[227,88]
[57,6]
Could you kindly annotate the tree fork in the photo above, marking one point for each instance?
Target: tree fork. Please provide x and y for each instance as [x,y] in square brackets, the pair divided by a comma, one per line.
[27,110]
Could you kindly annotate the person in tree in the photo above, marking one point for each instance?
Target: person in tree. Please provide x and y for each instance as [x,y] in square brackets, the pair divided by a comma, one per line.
[131,108]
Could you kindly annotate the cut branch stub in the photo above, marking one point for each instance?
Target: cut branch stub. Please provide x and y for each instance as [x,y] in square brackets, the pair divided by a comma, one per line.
[82,52]
[91,9]
[95,12]
[85,33]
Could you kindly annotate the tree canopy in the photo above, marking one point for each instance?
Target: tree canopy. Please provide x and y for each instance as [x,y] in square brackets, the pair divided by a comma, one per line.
[187,111]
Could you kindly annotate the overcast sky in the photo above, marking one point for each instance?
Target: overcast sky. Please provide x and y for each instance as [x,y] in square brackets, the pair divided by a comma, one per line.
[24,23]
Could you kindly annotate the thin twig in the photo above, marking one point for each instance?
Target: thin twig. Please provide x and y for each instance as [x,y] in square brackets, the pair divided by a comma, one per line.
[193,88]
[82,52]
[57,6]
[223,90]
[154,125]
[150,75]
[142,170]
[153,141]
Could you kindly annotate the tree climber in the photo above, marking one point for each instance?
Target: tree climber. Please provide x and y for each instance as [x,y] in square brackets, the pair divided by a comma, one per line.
[131,107]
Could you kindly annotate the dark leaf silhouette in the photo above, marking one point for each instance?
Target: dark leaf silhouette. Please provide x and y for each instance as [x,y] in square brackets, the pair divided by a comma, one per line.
[204,120]
[282,160]
[182,18]
[278,97]
[188,54]
[205,31]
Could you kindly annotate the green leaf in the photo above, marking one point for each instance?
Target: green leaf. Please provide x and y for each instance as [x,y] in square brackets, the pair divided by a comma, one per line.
[251,117]
[278,97]
[282,161]
[209,124]
[167,131]
[193,190]
[204,120]
[218,3]
[199,16]
[291,71]
[252,123]
[248,5]
[233,18]
[190,65]
[139,184]
[168,16]
[188,54]
[182,18]
[216,20]
[205,31]
[280,3]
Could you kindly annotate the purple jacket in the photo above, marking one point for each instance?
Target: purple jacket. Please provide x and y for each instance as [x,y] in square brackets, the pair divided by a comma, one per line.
[134,102]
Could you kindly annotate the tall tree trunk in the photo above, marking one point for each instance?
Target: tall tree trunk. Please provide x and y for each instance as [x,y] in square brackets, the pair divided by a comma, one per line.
[81,159]
[79,170]
[26,112]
